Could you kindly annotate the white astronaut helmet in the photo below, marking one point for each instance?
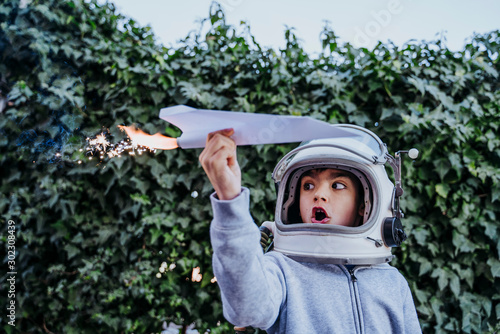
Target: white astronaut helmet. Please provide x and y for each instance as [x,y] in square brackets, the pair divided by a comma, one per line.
[363,155]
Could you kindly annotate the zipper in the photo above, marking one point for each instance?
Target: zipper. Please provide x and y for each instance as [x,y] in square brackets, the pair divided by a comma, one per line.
[353,277]
[354,281]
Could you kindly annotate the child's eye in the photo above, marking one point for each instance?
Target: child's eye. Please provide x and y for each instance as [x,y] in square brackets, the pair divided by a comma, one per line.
[338,185]
[308,186]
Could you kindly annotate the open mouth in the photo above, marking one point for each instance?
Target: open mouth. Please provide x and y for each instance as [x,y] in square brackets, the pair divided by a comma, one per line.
[319,216]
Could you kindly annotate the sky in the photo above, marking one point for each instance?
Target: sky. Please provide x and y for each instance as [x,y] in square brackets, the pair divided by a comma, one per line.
[360,22]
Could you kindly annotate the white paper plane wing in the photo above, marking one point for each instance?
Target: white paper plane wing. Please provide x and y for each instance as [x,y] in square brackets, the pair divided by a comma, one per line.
[249,128]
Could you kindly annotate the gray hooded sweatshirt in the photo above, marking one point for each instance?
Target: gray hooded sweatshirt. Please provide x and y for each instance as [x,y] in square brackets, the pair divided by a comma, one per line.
[273,292]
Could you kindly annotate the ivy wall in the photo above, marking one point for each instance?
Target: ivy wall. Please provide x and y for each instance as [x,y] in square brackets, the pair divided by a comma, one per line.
[109,246]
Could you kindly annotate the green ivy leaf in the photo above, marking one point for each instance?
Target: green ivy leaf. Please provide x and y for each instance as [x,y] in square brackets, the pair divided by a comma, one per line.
[494,267]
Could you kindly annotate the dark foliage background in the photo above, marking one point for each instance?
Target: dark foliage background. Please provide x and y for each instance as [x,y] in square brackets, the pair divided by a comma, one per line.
[92,237]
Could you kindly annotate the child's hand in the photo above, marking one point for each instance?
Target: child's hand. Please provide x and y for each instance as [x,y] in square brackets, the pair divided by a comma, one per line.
[219,162]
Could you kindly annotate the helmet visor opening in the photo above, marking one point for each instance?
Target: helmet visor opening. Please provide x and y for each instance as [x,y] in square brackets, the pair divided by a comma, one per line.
[291,213]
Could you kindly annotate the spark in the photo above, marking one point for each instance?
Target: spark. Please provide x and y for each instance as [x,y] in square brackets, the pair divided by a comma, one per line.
[101,146]
[196,275]
[99,141]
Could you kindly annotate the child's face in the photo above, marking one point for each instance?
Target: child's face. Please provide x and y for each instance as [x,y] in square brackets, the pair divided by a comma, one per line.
[329,196]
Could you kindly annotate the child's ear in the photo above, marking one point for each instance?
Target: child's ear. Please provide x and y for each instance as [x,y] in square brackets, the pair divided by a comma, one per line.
[361,209]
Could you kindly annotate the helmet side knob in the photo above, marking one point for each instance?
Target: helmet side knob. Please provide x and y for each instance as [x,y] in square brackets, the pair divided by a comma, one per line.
[393,232]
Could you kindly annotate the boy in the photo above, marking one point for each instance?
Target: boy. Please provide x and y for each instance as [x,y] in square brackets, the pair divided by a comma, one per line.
[334,226]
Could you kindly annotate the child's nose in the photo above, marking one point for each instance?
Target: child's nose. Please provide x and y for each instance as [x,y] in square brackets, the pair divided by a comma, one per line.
[321,194]
[318,198]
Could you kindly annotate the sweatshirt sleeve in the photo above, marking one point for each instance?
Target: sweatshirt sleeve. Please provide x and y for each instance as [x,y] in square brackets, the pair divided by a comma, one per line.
[412,326]
[251,284]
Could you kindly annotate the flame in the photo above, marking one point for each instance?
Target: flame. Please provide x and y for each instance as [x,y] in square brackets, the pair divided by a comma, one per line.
[156,141]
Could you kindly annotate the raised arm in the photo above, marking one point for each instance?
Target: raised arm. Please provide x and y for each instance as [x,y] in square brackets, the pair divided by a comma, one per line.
[251,284]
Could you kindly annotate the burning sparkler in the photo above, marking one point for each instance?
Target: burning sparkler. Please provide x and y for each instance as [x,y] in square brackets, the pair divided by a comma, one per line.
[101,147]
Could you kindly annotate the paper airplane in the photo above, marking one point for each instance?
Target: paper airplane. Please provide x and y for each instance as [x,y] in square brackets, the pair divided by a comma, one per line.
[249,128]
